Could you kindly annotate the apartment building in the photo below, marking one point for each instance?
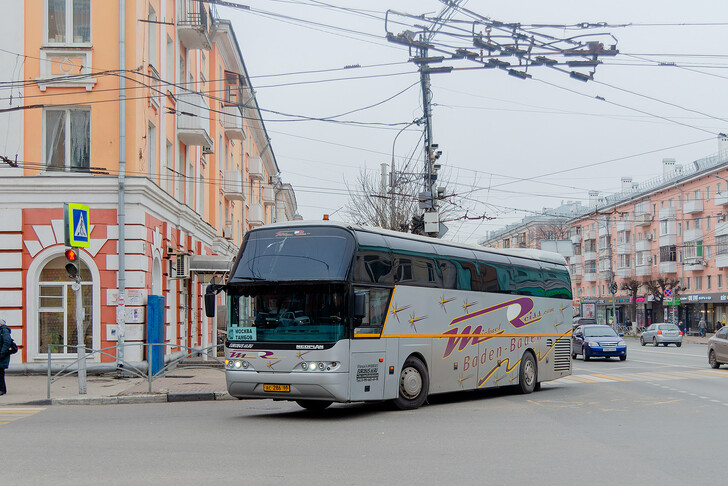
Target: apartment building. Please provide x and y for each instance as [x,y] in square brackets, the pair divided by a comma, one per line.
[671,230]
[655,251]
[144,111]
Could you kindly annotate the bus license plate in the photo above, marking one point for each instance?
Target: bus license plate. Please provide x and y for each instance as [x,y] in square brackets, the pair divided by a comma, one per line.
[277,388]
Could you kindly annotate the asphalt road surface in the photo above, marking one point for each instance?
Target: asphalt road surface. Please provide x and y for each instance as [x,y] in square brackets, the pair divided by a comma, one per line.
[657,418]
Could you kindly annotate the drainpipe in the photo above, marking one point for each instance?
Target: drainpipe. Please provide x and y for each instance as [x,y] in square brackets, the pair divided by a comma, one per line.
[120,314]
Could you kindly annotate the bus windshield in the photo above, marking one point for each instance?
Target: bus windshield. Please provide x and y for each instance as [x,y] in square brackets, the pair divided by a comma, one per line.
[300,253]
[312,313]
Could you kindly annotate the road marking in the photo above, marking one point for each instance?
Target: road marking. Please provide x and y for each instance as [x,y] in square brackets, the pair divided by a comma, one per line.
[611,378]
[711,373]
[8,415]
[578,378]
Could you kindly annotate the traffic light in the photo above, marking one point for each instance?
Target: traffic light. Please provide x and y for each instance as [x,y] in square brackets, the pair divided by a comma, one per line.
[72,267]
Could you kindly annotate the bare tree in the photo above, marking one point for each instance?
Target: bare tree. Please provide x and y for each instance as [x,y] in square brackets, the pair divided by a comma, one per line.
[658,286]
[372,203]
[557,229]
[632,287]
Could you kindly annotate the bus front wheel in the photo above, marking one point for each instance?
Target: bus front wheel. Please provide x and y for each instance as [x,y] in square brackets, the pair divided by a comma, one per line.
[414,383]
[314,405]
[528,373]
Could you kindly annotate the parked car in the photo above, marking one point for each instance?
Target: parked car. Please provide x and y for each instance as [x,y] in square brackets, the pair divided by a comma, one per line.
[718,348]
[592,340]
[662,333]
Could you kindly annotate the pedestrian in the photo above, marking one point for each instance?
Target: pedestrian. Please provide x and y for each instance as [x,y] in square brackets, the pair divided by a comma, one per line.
[681,325]
[702,325]
[4,353]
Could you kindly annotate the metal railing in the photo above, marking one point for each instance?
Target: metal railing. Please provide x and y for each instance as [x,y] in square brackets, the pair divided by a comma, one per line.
[123,366]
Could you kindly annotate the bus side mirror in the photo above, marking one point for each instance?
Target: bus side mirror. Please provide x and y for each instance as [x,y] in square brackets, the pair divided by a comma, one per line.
[210,304]
[360,305]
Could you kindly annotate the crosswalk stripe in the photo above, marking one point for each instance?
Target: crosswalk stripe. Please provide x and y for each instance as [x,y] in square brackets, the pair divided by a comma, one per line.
[611,378]
[8,415]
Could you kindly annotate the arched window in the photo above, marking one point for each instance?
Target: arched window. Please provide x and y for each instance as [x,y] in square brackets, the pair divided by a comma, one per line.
[57,329]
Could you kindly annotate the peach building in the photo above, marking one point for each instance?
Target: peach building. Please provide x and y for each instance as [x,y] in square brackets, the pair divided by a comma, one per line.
[671,228]
[155,127]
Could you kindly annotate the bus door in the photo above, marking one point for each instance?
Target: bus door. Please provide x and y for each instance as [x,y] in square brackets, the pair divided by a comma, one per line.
[369,354]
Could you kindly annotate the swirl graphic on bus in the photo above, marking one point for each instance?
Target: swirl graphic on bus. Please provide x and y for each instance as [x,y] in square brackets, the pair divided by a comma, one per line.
[519,314]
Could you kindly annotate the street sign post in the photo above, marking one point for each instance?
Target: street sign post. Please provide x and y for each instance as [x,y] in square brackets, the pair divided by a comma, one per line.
[77,234]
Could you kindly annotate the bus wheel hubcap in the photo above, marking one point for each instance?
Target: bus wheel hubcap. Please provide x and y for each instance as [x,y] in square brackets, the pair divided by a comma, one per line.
[529,373]
[410,383]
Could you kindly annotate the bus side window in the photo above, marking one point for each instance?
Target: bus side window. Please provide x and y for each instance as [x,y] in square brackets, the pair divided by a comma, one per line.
[375,302]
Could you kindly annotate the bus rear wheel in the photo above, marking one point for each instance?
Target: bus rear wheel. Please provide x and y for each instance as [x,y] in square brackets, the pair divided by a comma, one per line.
[528,373]
[414,383]
[314,405]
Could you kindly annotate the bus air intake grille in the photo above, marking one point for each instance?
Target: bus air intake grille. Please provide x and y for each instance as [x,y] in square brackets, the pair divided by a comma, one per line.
[562,352]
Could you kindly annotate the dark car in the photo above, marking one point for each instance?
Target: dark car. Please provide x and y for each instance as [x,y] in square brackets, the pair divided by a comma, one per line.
[581,321]
[718,348]
[597,340]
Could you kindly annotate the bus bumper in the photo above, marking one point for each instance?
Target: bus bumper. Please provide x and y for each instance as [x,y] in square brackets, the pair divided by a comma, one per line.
[302,386]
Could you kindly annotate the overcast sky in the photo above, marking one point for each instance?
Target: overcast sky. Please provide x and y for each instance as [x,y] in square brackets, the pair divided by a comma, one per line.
[494,129]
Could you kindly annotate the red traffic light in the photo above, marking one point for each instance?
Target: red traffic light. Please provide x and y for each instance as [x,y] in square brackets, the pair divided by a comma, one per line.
[71,255]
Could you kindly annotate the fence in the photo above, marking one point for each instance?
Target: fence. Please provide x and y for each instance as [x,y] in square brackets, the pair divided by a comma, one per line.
[127,367]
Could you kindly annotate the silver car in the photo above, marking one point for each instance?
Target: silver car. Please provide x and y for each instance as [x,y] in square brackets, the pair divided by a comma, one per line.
[662,334]
[718,348]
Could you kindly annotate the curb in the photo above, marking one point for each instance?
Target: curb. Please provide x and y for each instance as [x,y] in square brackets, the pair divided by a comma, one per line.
[132,399]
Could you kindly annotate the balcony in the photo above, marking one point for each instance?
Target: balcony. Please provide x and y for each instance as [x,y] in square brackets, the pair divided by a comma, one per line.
[590,277]
[232,122]
[643,245]
[576,239]
[605,275]
[721,199]
[590,235]
[721,260]
[643,270]
[668,267]
[694,264]
[721,229]
[692,207]
[256,215]
[624,226]
[590,256]
[668,240]
[232,185]
[624,248]
[624,273]
[255,168]
[269,196]
[643,220]
[194,24]
[693,235]
[667,213]
[643,209]
[576,260]
[193,120]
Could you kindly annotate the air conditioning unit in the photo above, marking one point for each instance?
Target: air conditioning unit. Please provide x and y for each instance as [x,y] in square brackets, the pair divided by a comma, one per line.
[208,150]
[649,259]
[179,266]
[721,217]
[649,236]
[227,232]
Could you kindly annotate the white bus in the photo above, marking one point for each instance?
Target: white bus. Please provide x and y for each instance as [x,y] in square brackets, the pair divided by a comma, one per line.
[321,312]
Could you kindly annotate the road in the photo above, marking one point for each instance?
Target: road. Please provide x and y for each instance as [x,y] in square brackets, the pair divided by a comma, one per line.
[657,418]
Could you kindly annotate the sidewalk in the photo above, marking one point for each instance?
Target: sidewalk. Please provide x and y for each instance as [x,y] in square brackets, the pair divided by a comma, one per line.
[183,384]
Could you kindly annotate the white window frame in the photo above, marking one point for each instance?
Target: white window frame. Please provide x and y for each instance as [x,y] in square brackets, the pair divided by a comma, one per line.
[67,121]
[69,27]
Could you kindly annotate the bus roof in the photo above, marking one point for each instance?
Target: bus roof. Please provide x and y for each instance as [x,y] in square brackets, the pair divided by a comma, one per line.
[528,253]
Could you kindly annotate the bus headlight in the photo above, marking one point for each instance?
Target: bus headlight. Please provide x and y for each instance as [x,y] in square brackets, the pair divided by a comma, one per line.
[236,364]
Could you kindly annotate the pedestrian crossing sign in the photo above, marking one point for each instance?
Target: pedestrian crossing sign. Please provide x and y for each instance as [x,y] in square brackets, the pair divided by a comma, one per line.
[77,226]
